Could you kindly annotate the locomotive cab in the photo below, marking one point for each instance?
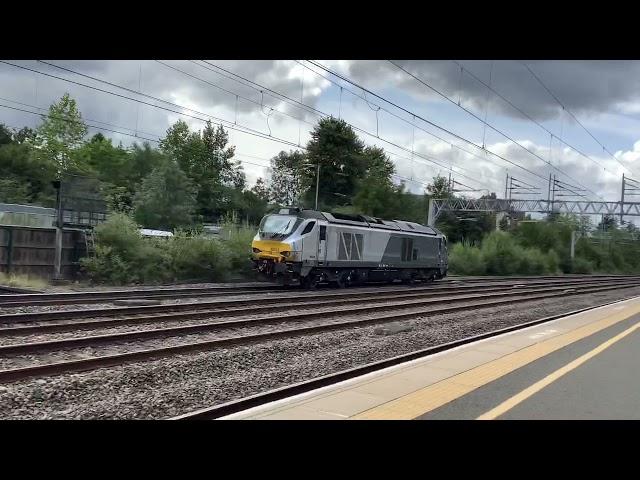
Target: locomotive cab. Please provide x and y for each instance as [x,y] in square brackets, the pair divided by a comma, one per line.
[285,242]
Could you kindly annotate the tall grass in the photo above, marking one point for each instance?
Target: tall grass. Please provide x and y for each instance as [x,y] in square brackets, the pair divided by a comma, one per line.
[22,281]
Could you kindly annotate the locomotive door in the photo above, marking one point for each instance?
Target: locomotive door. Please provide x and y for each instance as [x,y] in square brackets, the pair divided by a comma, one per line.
[310,242]
[322,244]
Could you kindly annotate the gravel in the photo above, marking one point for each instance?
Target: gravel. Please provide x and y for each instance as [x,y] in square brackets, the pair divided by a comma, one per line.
[171,386]
[334,314]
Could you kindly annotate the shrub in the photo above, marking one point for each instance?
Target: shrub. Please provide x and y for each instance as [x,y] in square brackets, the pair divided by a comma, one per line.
[196,258]
[465,259]
[237,242]
[123,256]
[582,265]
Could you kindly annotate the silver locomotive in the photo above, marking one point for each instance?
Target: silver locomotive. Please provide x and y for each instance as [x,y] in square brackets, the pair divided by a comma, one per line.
[307,247]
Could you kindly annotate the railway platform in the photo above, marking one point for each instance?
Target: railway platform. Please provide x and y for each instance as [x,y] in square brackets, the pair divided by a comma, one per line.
[581,366]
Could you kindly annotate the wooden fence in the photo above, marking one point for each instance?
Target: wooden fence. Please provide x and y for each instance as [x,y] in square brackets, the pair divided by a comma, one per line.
[31,251]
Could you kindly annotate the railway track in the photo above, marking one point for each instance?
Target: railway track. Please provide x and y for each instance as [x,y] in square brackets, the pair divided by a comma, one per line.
[34,299]
[22,298]
[210,308]
[376,313]
[239,405]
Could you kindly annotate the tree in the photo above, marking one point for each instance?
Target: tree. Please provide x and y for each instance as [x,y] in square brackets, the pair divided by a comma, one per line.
[205,158]
[25,134]
[6,135]
[376,195]
[61,131]
[13,191]
[286,182]
[440,188]
[166,198]
[460,226]
[607,223]
[27,176]
[260,190]
[110,164]
[143,159]
[336,147]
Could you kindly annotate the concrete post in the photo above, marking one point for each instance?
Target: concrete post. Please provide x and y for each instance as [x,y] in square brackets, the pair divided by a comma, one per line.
[431,213]
[622,201]
[57,273]
[573,244]
[317,185]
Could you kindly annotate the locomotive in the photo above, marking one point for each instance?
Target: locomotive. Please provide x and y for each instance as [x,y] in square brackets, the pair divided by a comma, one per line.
[307,247]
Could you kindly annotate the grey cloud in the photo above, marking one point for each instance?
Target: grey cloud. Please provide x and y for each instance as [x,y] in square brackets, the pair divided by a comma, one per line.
[585,87]
[159,81]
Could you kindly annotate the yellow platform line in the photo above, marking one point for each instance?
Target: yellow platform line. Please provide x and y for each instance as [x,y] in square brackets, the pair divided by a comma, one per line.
[429,398]
[549,379]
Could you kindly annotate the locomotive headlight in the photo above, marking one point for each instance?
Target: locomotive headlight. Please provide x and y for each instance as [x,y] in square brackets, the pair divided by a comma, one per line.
[256,250]
[285,254]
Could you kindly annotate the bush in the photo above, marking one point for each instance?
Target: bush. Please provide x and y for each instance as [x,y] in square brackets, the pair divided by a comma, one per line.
[581,265]
[237,241]
[466,259]
[500,254]
[123,256]
[196,258]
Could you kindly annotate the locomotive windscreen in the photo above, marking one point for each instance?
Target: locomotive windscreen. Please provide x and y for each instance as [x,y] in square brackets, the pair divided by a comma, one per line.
[278,226]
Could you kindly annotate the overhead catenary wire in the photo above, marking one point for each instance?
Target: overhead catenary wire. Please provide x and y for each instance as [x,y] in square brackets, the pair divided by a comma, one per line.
[242,129]
[604,149]
[218,121]
[488,124]
[89,125]
[322,114]
[429,122]
[498,94]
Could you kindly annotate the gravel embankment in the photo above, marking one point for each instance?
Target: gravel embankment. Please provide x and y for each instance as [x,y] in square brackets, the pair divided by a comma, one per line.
[174,385]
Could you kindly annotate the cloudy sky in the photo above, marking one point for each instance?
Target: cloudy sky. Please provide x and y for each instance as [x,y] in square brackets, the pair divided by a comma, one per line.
[433,125]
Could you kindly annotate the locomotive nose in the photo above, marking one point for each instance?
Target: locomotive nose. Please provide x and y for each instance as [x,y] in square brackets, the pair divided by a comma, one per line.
[270,250]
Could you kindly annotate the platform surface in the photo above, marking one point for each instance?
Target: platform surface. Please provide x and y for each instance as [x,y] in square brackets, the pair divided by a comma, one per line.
[583,366]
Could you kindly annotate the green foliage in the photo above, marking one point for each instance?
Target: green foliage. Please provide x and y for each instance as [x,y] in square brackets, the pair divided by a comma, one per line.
[237,240]
[13,191]
[286,183]
[165,199]
[61,131]
[27,176]
[196,257]
[439,188]
[206,160]
[336,147]
[465,259]
[582,265]
[123,256]
[500,254]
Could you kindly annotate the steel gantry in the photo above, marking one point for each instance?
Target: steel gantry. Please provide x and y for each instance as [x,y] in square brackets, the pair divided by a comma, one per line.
[438,205]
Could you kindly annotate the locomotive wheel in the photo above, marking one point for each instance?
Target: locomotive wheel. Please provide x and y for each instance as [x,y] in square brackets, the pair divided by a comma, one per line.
[310,282]
[344,280]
